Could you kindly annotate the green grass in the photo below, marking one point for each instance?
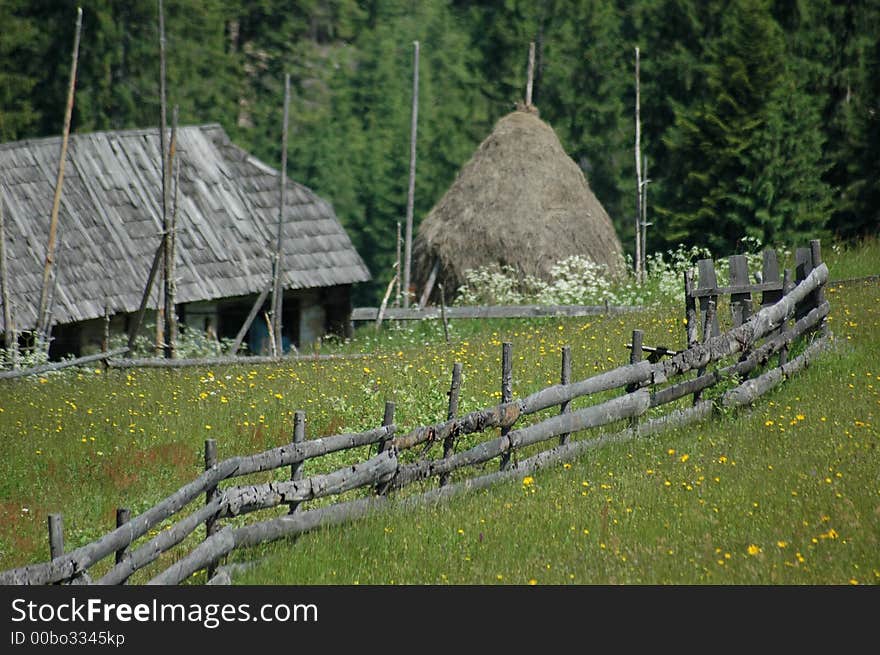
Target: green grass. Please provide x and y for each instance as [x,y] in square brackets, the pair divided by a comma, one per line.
[787,492]
[84,443]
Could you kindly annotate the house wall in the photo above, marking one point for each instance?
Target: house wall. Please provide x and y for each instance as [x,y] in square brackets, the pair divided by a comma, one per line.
[307,316]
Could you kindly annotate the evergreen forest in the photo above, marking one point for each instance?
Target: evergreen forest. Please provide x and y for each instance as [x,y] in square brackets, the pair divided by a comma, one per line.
[759,118]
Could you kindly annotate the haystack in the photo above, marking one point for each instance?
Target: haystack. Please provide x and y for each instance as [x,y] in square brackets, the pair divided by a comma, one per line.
[520,201]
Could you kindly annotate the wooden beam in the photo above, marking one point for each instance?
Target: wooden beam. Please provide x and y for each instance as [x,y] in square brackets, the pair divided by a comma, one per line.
[429,285]
[410,196]
[258,303]
[277,292]
[8,332]
[42,327]
[489,311]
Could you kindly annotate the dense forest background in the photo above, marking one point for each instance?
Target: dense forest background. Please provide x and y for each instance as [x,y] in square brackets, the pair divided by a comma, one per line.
[759,118]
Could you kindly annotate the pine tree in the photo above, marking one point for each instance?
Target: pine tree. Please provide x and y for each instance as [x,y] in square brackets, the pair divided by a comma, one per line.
[20,44]
[737,145]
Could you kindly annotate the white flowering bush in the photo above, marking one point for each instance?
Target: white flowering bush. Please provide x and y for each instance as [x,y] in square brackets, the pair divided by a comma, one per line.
[578,281]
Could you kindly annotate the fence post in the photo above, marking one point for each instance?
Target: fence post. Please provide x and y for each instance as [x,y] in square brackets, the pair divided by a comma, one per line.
[708,280]
[211,526]
[635,356]
[770,273]
[740,303]
[506,393]
[449,441]
[123,514]
[803,263]
[299,435]
[385,444]
[708,321]
[387,419]
[787,286]
[818,296]
[565,378]
[690,309]
[56,536]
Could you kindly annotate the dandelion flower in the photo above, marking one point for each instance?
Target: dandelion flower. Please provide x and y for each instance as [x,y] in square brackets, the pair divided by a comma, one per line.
[753,549]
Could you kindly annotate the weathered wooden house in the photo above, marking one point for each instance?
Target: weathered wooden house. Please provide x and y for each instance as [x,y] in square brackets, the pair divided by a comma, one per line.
[110,226]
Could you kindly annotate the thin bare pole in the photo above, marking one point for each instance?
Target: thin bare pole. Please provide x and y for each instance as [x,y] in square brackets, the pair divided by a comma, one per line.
[410,196]
[8,332]
[276,279]
[397,268]
[530,78]
[638,257]
[59,182]
[644,206]
[170,246]
[161,307]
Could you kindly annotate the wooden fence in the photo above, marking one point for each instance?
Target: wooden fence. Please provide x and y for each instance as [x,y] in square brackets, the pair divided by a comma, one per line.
[759,344]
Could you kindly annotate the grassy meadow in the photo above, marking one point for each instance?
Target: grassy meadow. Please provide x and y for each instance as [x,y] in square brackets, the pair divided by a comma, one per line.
[785,492]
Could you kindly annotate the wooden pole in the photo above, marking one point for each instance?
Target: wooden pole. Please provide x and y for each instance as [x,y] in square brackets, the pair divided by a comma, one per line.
[397,264]
[452,412]
[638,257]
[384,304]
[276,286]
[56,536]
[787,286]
[506,392]
[123,515]
[139,317]
[429,285]
[387,419]
[709,320]
[299,435]
[635,356]
[162,313]
[170,289]
[565,378]
[818,296]
[690,311]
[644,207]
[258,303]
[42,328]
[410,196]
[8,333]
[443,314]
[530,75]
[386,443]
[211,526]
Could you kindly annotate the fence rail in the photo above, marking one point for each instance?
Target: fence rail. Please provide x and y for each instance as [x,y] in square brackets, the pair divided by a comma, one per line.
[488,311]
[757,337]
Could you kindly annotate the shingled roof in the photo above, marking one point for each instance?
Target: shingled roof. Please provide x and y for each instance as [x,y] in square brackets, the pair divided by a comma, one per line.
[110,221]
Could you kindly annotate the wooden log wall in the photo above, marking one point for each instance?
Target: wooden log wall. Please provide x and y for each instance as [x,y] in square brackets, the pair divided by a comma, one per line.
[756,338]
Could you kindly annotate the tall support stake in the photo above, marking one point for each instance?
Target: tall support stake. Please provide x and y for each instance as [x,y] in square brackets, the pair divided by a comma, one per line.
[397,265]
[56,536]
[42,326]
[410,196]
[506,392]
[452,412]
[565,378]
[161,307]
[276,279]
[211,526]
[530,75]
[644,207]
[170,246]
[8,332]
[638,257]
[299,435]
[139,317]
